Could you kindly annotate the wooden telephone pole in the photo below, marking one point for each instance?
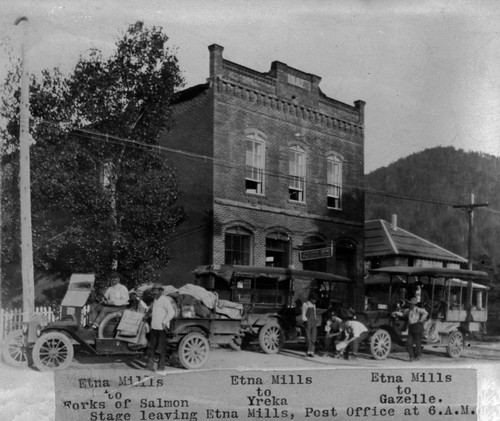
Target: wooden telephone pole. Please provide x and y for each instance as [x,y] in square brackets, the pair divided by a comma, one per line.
[25,187]
[469,208]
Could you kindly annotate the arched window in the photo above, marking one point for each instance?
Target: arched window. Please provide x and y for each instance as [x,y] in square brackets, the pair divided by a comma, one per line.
[297,174]
[237,248]
[278,250]
[334,182]
[255,163]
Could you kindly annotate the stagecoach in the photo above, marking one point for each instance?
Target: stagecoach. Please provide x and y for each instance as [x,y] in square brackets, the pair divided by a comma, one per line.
[51,346]
[457,307]
[272,298]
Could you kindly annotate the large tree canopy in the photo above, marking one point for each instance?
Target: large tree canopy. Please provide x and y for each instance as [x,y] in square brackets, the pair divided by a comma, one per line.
[103,193]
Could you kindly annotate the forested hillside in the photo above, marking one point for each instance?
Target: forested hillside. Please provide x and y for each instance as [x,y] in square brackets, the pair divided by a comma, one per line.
[422,189]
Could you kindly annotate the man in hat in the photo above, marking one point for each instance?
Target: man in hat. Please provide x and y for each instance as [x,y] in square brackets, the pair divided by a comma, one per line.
[116,298]
[416,317]
[399,301]
[162,312]
[332,331]
[421,295]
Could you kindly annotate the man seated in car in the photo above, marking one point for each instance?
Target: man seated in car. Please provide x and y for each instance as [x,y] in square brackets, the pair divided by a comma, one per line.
[399,302]
[115,298]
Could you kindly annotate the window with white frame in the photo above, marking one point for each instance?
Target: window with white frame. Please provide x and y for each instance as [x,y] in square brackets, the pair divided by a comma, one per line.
[297,174]
[334,182]
[255,164]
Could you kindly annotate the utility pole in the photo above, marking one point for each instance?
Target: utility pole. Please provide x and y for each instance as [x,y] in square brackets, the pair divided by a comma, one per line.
[25,186]
[1,220]
[469,209]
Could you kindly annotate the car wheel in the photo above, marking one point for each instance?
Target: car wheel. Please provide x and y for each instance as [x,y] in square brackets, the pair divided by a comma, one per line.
[53,351]
[455,344]
[13,350]
[271,337]
[380,344]
[193,350]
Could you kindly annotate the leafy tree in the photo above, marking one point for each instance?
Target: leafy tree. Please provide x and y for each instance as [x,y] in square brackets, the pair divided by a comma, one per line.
[103,194]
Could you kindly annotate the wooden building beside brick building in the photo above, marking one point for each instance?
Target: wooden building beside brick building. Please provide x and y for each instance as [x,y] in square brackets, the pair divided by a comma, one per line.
[271,173]
[387,244]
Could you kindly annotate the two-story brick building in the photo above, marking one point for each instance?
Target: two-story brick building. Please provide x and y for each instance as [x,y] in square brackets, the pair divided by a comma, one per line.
[271,172]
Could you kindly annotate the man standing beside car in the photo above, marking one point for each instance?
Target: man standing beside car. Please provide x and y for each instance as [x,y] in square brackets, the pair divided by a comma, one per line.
[162,312]
[310,323]
[416,317]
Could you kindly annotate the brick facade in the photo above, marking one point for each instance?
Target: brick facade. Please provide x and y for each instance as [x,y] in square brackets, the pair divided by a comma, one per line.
[286,109]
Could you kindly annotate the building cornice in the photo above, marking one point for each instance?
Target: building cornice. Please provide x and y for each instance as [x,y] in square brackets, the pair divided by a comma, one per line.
[251,94]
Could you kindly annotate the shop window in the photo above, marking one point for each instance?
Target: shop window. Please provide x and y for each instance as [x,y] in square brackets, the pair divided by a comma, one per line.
[238,246]
[278,250]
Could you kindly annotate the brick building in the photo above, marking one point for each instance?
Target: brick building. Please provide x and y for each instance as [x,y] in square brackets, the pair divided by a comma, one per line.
[271,172]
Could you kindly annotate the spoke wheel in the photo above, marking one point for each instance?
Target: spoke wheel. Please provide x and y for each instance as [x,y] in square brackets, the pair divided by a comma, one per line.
[455,344]
[193,350]
[53,351]
[380,344]
[271,337]
[13,350]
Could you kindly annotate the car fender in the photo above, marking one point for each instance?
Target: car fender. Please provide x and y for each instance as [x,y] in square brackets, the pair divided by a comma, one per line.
[71,334]
[38,320]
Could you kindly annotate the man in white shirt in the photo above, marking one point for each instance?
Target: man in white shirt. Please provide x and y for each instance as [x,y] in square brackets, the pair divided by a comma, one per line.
[116,298]
[355,332]
[162,312]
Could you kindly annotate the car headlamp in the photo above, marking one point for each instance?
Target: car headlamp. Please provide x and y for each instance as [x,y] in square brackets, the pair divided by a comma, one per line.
[39,330]
[25,328]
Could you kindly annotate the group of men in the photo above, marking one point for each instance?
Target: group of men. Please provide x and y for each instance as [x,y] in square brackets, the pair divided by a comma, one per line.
[351,332]
[158,314]
[162,310]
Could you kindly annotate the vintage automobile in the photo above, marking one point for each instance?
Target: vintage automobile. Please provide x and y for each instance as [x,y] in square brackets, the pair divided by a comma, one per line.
[457,307]
[272,298]
[51,346]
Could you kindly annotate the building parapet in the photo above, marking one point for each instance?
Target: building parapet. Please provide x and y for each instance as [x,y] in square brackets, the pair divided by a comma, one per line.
[253,95]
[286,89]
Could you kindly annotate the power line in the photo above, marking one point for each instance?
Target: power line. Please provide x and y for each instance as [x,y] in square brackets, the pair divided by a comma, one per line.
[94,135]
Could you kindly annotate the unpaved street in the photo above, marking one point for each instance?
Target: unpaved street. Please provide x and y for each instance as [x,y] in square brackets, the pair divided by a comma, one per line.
[26,394]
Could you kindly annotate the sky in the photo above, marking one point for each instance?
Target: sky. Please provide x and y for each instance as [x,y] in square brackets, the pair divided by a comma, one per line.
[429,71]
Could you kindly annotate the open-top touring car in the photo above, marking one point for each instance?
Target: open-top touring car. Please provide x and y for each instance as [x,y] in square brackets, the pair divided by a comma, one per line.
[51,346]
[457,307]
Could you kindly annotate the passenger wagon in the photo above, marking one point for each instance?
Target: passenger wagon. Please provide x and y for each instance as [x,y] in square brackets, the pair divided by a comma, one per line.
[457,307]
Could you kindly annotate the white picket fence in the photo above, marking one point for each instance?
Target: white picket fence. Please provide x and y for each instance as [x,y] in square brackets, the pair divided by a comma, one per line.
[13,319]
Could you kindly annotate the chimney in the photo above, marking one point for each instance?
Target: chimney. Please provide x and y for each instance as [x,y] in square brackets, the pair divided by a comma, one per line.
[394,221]
[215,60]
[360,105]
